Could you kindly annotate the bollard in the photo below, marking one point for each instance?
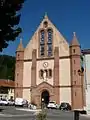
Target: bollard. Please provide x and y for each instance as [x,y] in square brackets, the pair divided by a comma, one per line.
[76,115]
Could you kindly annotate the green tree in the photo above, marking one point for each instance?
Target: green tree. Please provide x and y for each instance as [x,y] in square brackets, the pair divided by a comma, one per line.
[9,20]
[7,67]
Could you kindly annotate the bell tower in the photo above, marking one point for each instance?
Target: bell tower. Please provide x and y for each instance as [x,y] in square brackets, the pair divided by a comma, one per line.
[19,70]
[76,78]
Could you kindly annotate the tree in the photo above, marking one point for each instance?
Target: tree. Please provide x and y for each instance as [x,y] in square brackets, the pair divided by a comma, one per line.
[9,20]
[7,67]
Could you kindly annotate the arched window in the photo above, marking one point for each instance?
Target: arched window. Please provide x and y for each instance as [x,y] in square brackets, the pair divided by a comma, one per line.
[42,35]
[49,73]
[50,37]
[41,73]
[42,42]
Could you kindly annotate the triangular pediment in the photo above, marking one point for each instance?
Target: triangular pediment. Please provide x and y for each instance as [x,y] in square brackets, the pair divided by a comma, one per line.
[58,40]
[44,84]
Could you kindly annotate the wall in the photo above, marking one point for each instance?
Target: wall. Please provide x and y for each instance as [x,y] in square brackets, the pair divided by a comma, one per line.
[65,95]
[27,80]
[27,94]
[64,69]
[40,66]
[65,80]
[87,81]
[27,74]
[87,62]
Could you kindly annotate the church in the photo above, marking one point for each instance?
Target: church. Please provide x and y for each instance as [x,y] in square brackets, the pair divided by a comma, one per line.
[49,68]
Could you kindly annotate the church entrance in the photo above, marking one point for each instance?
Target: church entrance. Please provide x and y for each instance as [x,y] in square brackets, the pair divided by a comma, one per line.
[45,97]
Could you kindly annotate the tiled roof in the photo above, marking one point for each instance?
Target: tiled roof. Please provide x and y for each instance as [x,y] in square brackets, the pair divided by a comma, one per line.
[85,51]
[74,40]
[7,83]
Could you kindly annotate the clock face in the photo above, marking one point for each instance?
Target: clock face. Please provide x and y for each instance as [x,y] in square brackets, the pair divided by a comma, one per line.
[45,64]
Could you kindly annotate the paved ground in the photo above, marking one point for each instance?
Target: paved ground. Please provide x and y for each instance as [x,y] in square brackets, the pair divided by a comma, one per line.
[11,113]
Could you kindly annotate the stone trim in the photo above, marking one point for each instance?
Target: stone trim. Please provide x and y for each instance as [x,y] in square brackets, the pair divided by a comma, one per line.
[74,46]
[60,86]
[49,58]
[19,78]
[56,75]
[36,96]
[33,68]
[75,55]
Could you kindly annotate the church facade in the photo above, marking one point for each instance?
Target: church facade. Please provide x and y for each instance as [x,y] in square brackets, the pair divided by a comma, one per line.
[48,68]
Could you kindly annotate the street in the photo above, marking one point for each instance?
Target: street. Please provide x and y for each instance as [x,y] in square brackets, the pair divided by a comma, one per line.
[11,113]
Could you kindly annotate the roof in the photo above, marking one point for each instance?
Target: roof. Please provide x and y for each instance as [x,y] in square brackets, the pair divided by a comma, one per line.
[20,46]
[74,41]
[85,51]
[7,83]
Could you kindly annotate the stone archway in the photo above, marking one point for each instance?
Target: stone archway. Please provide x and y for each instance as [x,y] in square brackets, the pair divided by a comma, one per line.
[43,89]
[45,97]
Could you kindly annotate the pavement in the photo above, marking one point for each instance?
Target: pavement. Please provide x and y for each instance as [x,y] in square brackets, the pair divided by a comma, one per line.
[87,115]
[12,113]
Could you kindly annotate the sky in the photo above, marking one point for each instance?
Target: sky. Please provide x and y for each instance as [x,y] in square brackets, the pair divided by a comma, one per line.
[67,15]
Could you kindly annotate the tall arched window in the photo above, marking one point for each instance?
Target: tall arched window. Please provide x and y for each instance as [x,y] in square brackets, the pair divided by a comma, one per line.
[50,37]
[42,42]
[41,74]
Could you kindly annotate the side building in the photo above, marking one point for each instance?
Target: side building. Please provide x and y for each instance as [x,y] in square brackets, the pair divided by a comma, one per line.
[7,89]
[86,59]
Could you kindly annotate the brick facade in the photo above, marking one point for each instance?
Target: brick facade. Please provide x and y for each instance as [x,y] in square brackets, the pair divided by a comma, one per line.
[28,83]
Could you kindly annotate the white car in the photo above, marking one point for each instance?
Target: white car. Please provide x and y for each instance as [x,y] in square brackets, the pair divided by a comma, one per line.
[31,106]
[11,102]
[3,102]
[52,105]
[21,102]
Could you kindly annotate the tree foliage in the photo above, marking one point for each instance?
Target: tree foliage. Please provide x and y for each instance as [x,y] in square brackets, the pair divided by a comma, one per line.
[9,20]
[7,67]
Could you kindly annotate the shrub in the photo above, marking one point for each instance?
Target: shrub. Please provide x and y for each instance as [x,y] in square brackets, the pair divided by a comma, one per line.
[41,115]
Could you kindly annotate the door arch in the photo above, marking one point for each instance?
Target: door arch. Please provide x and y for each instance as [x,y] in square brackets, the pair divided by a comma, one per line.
[45,97]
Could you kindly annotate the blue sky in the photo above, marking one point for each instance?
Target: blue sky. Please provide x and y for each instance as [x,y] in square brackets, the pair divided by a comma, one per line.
[67,15]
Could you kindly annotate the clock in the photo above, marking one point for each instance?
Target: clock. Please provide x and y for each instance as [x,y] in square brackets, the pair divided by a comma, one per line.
[45,64]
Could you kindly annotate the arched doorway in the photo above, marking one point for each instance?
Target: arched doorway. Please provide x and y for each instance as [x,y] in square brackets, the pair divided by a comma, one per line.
[45,97]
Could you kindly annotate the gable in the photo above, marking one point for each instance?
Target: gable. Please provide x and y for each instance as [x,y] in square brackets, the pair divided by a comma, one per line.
[58,41]
[44,86]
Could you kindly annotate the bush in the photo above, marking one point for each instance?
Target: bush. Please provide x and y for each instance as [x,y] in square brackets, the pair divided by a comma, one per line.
[41,115]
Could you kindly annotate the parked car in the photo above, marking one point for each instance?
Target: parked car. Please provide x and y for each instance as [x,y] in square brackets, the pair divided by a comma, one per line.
[3,102]
[32,106]
[57,106]
[11,102]
[21,102]
[65,106]
[52,105]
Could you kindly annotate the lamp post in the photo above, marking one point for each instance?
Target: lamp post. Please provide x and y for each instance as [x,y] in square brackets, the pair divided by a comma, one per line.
[42,104]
